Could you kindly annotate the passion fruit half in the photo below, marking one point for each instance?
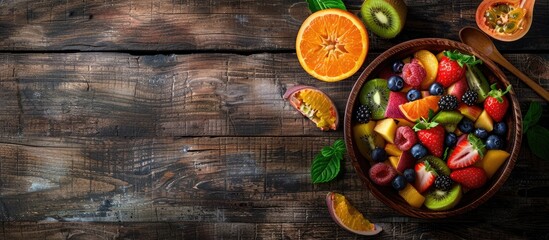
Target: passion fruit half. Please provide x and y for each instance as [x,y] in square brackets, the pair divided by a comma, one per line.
[315,105]
[348,217]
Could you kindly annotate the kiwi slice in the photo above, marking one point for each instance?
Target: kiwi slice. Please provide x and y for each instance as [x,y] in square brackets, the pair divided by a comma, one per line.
[437,163]
[477,81]
[449,119]
[375,95]
[385,18]
[440,200]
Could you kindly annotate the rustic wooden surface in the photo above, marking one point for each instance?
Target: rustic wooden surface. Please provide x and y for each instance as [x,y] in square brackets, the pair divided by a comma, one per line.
[164,119]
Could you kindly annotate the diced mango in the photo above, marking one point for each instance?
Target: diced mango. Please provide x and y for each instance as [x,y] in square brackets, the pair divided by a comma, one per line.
[412,196]
[387,129]
[484,121]
[493,159]
[392,150]
[393,161]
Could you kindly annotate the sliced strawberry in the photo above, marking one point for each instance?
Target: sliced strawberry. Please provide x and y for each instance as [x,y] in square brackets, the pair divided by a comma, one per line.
[469,149]
[431,135]
[496,104]
[425,176]
[469,177]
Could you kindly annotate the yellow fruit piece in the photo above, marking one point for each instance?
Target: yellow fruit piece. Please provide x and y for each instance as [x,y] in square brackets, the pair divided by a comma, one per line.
[393,161]
[406,60]
[412,196]
[440,55]
[332,44]
[484,121]
[366,138]
[492,161]
[404,122]
[387,129]
[348,217]
[393,150]
[430,64]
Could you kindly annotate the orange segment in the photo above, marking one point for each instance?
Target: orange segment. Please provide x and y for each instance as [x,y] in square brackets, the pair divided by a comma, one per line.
[332,44]
[418,109]
[348,217]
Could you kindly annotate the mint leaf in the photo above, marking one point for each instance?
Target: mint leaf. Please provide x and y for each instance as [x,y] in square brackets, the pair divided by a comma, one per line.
[327,164]
[317,5]
[537,141]
[327,151]
[532,116]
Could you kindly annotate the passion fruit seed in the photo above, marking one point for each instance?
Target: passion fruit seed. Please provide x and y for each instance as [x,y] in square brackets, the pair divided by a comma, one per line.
[503,18]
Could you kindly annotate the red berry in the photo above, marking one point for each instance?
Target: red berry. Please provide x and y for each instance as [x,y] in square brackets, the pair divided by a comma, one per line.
[431,135]
[469,177]
[405,138]
[413,73]
[449,72]
[425,176]
[496,104]
[469,150]
[382,174]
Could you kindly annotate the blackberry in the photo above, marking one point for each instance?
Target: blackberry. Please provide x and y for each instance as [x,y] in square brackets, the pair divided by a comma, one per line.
[443,182]
[363,114]
[470,97]
[448,102]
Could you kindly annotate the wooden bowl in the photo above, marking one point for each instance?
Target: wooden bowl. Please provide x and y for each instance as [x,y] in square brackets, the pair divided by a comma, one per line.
[470,199]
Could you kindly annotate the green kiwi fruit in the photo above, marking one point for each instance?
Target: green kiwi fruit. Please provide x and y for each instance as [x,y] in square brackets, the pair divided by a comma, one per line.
[375,95]
[385,18]
[440,200]
[449,119]
[440,166]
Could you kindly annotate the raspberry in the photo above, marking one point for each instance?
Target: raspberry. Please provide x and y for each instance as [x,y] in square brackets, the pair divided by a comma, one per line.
[405,138]
[382,174]
[413,73]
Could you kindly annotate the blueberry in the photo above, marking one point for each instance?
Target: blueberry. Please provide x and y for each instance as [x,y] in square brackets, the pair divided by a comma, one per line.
[500,128]
[413,95]
[436,89]
[399,183]
[465,125]
[379,154]
[450,139]
[418,151]
[494,142]
[397,66]
[481,133]
[410,175]
[395,83]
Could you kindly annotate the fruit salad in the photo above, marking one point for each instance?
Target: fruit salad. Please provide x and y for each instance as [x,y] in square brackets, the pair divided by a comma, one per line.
[432,127]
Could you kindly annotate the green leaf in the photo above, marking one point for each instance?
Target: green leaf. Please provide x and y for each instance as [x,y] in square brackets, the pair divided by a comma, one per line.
[461,58]
[537,141]
[327,151]
[326,165]
[317,5]
[532,116]
[324,169]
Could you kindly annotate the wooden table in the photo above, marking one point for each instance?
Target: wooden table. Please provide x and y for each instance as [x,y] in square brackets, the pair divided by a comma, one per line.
[164,119]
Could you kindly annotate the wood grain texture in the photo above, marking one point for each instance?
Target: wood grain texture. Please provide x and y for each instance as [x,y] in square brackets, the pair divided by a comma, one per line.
[243,25]
[121,95]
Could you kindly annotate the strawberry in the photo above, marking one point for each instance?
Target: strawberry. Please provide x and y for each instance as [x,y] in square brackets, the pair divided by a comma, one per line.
[469,177]
[425,176]
[431,135]
[496,104]
[469,149]
[451,67]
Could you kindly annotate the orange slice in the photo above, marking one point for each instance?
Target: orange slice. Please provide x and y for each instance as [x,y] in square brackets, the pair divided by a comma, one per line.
[332,44]
[346,216]
[418,109]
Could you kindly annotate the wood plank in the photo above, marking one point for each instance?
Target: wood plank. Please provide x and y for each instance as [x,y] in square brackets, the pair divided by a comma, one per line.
[190,25]
[116,94]
[204,179]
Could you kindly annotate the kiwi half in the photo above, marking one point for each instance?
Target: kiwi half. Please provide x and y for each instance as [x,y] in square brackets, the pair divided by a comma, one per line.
[440,200]
[375,95]
[385,18]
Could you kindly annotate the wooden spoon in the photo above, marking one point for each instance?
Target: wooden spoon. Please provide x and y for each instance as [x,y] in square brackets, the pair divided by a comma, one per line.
[482,43]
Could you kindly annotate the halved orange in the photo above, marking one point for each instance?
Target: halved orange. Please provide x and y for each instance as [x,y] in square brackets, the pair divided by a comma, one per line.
[332,44]
[418,109]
